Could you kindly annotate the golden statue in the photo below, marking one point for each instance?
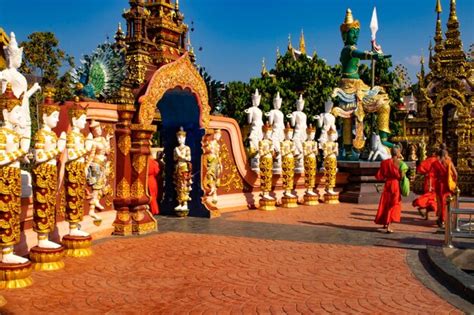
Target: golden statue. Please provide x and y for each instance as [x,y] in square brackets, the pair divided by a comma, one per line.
[212,149]
[47,148]
[330,149]
[310,151]
[13,150]
[266,152]
[75,175]
[287,151]
[98,168]
[182,173]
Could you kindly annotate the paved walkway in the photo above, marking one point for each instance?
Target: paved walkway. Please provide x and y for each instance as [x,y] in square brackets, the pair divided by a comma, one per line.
[323,259]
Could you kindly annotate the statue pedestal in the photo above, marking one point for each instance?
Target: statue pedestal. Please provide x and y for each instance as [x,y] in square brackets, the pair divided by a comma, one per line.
[15,276]
[289,202]
[331,198]
[360,186]
[311,200]
[181,213]
[47,259]
[77,246]
[267,204]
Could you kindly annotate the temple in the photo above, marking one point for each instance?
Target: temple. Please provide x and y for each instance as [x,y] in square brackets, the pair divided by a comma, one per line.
[444,112]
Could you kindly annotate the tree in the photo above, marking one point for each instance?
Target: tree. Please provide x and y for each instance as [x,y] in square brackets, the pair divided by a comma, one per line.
[43,59]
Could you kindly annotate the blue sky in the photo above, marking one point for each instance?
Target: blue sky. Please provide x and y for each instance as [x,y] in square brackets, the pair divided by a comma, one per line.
[236,34]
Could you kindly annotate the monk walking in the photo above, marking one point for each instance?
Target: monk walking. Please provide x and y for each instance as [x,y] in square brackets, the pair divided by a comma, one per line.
[446,178]
[428,200]
[390,206]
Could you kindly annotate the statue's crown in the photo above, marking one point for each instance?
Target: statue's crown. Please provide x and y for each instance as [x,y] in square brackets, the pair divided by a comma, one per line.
[256,96]
[48,107]
[300,100]
[181,132]
[77,110]
[328,105]
[349,22]
[277,98]
[288,127]
[12,49]
[310,129]
[8,100]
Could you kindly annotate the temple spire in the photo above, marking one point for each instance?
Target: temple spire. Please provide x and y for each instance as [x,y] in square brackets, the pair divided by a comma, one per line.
[453,40]
[302,43]
[264,67]
[278,52]
[438,34]
[290,47]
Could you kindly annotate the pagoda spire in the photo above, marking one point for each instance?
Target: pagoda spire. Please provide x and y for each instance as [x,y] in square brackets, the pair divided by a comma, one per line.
[302,43]
[453,40]
[438,34]
[264,68]
[290,47]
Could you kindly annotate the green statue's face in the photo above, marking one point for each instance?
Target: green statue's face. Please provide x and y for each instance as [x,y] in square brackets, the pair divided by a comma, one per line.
[351,37]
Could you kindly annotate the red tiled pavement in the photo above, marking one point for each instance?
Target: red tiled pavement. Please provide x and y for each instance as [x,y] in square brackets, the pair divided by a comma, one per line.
[184,273]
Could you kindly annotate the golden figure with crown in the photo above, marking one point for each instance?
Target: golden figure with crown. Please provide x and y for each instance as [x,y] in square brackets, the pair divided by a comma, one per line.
[212,149]
[330,149]
[310,151]
[47,255]
[182,174]
[287,151]
[266,152]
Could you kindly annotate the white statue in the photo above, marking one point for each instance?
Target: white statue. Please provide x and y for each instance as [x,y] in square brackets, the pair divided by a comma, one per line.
[326,121]
[298,121]
[377,149]
[254,119]
[18,83]
[276,120]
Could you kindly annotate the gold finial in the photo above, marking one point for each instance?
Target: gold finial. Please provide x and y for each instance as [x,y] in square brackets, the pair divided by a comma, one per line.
[177,5]
[290,47]
[349,18]
[422,60]
[264,67]
[302,43]
[452,11]
[438,8]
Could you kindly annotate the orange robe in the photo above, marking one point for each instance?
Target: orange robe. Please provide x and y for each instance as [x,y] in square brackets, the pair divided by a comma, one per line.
[153,170]
[390,206]
[428,200]
[441,171]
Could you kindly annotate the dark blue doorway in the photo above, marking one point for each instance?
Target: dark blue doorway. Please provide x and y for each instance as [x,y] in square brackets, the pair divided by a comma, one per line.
[180,108]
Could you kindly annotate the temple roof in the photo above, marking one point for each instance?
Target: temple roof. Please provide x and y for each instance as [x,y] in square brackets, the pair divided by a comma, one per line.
[4,39]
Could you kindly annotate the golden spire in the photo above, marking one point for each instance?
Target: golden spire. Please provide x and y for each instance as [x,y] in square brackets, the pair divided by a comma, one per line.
[452,10]
[302,43]
[453,36]
[438,34]
[177,5]
[290,47]
[438,8]
[264,67]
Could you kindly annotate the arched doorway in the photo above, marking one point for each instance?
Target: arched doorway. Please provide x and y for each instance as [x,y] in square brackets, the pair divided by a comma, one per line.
[450,137]
[179,108]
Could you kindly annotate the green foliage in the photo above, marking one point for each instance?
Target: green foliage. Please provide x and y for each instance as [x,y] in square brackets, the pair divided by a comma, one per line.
[214,90]
[292,76]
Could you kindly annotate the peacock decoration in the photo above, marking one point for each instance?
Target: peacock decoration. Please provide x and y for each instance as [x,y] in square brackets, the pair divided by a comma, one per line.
[101,73]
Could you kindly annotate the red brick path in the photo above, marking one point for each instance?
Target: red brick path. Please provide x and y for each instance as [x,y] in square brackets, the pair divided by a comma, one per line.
[184,273]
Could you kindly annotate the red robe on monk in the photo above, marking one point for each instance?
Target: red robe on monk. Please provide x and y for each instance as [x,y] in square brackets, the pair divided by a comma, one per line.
[428,199]
[441,172]
[153,170]
[390,206]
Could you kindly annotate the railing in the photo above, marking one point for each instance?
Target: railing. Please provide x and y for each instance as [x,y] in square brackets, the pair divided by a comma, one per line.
[456,226]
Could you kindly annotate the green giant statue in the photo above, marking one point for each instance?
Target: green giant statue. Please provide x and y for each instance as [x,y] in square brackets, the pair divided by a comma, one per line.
[355,98]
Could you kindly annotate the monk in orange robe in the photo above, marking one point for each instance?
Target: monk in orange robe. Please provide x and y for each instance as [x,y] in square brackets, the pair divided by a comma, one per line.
[390,205]
[428,200]
[153,170]
[445,172]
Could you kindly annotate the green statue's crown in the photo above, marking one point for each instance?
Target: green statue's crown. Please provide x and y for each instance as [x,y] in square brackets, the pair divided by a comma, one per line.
[349,22]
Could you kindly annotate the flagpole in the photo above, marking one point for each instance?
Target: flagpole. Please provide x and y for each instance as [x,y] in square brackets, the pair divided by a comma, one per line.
[374,27]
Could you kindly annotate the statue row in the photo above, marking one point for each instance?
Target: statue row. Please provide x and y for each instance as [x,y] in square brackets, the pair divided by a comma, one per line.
[289,153]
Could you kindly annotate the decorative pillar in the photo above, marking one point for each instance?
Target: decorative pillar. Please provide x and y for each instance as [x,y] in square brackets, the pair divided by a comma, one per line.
[143,221]
[123,171]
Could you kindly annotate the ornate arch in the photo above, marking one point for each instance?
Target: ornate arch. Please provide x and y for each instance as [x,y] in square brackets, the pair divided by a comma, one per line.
[437,112]
[181,73]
